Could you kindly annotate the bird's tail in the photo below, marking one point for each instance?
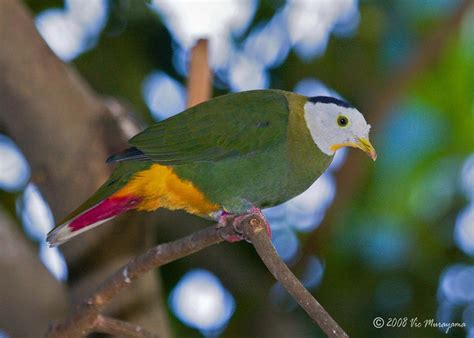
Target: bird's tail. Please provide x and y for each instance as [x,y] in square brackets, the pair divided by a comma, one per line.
[90,218]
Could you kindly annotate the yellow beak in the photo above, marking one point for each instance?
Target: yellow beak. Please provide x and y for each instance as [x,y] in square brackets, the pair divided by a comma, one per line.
[362,144]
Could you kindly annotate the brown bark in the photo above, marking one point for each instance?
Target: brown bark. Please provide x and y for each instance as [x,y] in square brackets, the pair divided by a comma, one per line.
[122,329]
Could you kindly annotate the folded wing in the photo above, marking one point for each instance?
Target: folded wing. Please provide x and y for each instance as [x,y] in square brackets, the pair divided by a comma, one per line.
[227,126]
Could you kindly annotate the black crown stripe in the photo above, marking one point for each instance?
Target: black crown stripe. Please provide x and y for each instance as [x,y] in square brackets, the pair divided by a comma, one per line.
[329,99]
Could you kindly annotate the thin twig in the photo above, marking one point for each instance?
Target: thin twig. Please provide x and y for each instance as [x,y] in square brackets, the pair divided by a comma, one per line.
[200,75]
[429,51]
[353,174]
[84,320]
[120,328]
[254,230]
[81,322]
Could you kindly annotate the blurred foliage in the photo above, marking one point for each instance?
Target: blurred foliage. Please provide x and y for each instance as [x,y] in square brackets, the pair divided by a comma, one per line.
[386,251]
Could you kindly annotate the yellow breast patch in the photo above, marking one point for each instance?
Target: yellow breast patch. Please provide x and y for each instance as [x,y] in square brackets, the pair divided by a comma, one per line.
[160,187]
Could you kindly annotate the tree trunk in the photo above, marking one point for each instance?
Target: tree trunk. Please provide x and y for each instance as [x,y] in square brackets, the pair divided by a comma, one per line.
[66,131]
[24,312]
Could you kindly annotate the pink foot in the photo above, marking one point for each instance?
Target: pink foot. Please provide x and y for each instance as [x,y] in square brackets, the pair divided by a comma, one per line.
[223,220]
[225,217]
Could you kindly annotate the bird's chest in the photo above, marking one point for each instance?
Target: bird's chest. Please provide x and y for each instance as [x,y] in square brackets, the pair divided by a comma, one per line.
[305,168]
[278,178]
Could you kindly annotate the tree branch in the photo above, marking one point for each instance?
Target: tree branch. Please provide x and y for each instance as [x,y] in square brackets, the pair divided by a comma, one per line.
[421,58]
[81,322]
[254,229]
[84,320]
[120,328]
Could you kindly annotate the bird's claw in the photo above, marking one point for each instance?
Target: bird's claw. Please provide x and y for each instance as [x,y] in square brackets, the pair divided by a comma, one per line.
[224,220]
[238,234]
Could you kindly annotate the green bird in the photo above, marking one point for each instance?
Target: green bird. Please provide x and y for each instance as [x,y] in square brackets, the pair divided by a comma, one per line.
[223,158]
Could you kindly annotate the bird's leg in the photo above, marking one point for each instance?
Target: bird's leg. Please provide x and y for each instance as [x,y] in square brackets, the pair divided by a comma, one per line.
[226,217]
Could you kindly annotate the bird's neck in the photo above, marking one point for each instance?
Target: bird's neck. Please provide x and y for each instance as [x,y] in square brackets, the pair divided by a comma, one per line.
[305,158]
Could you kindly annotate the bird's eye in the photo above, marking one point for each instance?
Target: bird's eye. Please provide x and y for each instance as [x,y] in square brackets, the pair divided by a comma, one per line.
[342,121]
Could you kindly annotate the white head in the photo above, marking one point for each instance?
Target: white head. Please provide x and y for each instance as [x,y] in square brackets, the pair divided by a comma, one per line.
[334,124]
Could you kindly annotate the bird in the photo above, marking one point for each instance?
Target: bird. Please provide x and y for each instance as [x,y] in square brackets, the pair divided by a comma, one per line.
[227,157]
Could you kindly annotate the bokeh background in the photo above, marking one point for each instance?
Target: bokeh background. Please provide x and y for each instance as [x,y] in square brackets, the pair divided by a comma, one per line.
[393,239]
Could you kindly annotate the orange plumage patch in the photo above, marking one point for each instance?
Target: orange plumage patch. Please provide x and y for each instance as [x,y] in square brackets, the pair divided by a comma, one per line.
[160,187]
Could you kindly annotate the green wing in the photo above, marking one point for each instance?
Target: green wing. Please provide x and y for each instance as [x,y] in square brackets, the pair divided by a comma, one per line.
[227,126]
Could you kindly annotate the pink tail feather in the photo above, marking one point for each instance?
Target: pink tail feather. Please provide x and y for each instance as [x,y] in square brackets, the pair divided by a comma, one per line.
[90,218]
